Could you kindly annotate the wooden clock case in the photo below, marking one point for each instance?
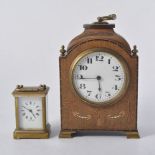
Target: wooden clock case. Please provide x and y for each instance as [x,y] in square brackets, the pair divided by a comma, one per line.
[76,114]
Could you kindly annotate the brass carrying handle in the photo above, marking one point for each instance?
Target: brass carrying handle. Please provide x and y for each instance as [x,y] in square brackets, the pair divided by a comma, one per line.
[104,18]
[21,88]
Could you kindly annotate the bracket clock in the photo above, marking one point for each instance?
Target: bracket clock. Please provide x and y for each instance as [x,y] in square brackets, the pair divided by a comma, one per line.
[30,105]
[99,82]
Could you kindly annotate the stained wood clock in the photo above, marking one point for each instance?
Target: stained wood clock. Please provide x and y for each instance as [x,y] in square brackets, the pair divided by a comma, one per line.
[99,82]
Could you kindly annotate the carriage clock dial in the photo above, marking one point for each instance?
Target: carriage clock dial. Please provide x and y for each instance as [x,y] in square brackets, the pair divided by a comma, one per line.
[30,112]
[99,77]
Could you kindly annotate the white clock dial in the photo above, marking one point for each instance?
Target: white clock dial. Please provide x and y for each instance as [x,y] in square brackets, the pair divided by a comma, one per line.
[30,113]
[99,76]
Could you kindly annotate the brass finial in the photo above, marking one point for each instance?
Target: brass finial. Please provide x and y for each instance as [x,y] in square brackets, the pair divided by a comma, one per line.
[104,18]
[42,87]
[62,50]
[19,87]
[134,51]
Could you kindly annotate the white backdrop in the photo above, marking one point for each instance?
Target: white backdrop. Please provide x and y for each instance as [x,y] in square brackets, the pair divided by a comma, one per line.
[31,33]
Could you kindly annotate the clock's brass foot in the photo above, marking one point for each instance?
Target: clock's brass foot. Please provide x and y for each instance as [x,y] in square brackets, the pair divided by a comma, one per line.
[67,134]
[132,134]
[32,134]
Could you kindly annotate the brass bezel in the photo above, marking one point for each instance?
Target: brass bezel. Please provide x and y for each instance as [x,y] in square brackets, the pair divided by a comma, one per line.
[125,68]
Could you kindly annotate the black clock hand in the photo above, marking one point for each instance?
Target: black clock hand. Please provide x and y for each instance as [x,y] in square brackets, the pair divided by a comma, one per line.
[88,78]
[99,88]
[26,108]
[30,110]
[99,82]
[33,114]
[81,77]
[98,79]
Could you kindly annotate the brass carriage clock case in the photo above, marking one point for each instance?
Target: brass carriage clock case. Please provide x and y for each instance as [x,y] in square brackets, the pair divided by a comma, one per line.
[30,108]
[78,113]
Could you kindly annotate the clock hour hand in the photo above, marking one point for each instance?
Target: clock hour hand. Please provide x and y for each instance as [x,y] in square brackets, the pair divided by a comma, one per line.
[88,78]
[81,77]
[26,108]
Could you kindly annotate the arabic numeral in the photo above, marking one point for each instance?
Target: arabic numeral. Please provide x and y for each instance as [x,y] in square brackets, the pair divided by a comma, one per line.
[115,68]
[98,96]
[89,92]
[118,77]
[82,86]
[83,67]
[78,76]
[89,60]
[99,58]
[107,94]
[115,87]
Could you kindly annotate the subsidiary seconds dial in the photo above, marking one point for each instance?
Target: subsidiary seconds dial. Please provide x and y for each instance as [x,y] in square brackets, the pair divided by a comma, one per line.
[99,76]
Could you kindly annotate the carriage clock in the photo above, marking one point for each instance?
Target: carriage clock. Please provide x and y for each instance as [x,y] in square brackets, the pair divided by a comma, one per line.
[99,82]
[30,105]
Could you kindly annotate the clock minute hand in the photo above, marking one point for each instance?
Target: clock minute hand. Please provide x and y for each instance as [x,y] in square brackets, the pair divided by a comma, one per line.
[99,88]
[33,114]
[99,82]
[30,110]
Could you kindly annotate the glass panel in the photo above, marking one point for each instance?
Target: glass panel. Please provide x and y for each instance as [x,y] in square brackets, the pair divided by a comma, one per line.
[30,113]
